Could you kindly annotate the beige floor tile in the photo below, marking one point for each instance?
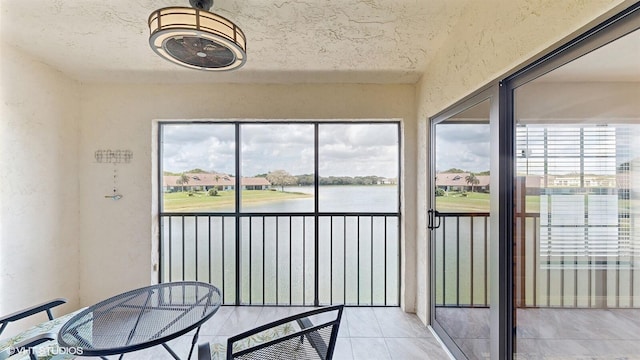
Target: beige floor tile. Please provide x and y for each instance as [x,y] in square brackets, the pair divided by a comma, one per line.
[362,322]
[365,333]
[343,350]
[369,349]
[415,349]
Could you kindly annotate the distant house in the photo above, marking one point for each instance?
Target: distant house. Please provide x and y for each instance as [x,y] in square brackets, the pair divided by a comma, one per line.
[255,183]
[388,181]
[533,183]
[204,182]
[583,180]
[458,182]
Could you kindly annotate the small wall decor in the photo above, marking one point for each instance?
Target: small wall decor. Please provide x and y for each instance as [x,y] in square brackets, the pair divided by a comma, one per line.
[114,157]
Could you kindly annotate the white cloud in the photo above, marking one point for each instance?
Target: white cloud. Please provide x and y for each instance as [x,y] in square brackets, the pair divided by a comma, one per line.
[205,146]
[462,146]
[344,149]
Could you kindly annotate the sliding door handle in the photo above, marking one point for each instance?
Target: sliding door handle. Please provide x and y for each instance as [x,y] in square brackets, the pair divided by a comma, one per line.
[434,219]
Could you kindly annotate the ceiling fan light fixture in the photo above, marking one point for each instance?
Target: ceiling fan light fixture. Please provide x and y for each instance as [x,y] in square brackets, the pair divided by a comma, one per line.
[196,38]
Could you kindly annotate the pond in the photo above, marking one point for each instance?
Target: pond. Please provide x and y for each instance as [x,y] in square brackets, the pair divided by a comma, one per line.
[358,253]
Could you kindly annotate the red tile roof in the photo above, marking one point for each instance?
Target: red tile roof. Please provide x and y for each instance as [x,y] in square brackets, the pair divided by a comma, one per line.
[202,179]
[459,179]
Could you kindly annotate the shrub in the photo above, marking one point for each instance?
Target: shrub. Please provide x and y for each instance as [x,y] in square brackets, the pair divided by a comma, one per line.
[440,192]
[213,192]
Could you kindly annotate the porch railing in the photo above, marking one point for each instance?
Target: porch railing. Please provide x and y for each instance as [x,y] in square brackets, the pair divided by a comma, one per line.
[286,259]
[461,250]
[546,276]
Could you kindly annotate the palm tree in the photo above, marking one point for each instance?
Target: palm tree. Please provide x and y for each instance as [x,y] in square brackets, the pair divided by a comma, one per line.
[183,179]
[472,180]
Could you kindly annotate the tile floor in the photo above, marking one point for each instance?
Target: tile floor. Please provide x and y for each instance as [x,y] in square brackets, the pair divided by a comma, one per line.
[365,333]
[551,333]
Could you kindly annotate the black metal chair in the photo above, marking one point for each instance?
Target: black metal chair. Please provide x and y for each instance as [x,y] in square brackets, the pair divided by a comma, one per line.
[30,342]
[308,335]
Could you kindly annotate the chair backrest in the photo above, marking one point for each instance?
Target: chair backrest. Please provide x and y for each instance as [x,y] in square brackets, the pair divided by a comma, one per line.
[308,335]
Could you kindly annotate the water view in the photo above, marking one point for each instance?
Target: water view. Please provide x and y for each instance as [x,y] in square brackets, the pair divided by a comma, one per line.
[336,198]
[275,246]
[358,253]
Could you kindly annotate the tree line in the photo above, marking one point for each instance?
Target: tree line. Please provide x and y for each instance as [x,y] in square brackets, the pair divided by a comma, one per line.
[282,178]
[308,180]
[458,171]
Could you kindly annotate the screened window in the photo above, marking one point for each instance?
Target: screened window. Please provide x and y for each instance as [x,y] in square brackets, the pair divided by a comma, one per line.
[284,213]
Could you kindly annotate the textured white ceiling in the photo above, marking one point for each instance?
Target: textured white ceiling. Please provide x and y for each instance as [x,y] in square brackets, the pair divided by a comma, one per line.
[288,41]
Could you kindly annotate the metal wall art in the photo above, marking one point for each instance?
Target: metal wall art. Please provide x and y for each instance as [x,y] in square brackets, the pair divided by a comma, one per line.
[114,157]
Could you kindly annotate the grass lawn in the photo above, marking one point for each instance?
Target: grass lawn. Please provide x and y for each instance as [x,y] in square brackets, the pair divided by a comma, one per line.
[476,202]
[456,202]
[224,201]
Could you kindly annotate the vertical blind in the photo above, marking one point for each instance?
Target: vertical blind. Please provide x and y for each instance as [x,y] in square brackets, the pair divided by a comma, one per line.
[581,179]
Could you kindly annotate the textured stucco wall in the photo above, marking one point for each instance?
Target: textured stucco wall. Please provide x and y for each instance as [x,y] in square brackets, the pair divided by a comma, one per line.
[39,117]
[117,235]
[490,39]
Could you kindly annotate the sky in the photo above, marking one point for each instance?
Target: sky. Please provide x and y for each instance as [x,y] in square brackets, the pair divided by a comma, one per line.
[344,149]
[360,149]
[462,146]
[467,147]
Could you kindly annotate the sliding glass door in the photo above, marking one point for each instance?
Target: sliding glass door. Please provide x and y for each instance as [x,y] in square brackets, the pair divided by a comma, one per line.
[460,228]
[548,267]
[577,208]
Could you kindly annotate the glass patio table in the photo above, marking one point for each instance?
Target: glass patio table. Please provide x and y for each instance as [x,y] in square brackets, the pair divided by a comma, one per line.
[141,318]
